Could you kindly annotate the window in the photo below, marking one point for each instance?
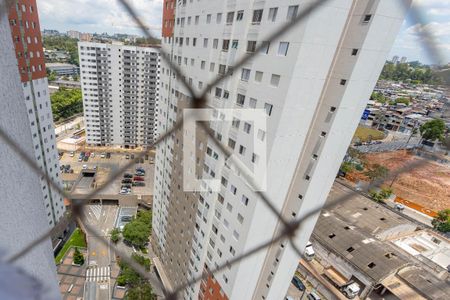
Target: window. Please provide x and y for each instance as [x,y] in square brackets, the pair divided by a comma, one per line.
[202,65]
[218,92]
[371,265]
[230,17]
[258,76]
[225,45]
[235,123]
[197,18]
[236,235]
[240,218]
[226,94]
[194,42]
[251,46]
[219,18]
[240,99]
[247,127]
[343,81]
[268,108]
[265,47]
[234,44]
[211,67]
[205,43]
[241,150]
[229,208]
[231,143]
[367,18]
[257,16]
[283,48]
[208,18]
[275,80]
[252,103]
[245,76]
[244,200]
[272,14]
[233,189]
[222,69]
[255,158]
[292,12]
[239,15]
[354,52]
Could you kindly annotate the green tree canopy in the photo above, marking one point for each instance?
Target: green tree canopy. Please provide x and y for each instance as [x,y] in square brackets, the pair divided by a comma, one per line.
[411,72]
[115,235]
[138,230]
[78,257]
[442,221]
[66,103]
[63,43]
[141,292]
[376,171]
[403,100]
[433,130]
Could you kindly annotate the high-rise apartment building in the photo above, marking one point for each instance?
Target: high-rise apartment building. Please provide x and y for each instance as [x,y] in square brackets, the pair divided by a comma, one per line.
[120,86]
[313,83]
[26,36]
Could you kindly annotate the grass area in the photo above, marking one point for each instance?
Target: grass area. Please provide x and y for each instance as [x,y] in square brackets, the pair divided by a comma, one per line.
[364,134]
[75,240]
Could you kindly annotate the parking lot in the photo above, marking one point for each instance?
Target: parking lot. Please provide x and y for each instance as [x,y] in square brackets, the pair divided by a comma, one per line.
[103,168]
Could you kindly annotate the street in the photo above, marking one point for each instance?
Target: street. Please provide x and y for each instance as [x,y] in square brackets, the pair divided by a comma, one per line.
[98,274]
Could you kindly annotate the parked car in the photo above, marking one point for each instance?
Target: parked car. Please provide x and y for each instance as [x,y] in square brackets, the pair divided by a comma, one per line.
[72,154]
[140,169]
[85,167]
[139,173]
[127,156]
[80,159]
[138,178]
[88,154]
[399,206]
[132,156]
[124,191]
[127,175]
[127,180]
[313,296]
[126,185]
[138,183]
[86,158]
[82,153]
[103,155]
[108,155]
[92,155]
[298,283]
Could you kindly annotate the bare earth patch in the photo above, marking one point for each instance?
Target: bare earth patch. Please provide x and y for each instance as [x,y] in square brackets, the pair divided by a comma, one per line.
[427,185]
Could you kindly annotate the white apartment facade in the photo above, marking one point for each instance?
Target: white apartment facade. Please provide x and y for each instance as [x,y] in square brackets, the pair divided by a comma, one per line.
[120,91]
[313,82]
[26,36]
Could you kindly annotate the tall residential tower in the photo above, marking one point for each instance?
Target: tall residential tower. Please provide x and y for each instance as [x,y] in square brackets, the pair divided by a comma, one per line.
[26,36]
[313,83]
[120,89]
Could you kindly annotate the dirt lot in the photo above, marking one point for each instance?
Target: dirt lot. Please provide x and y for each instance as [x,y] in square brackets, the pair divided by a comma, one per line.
[427,185]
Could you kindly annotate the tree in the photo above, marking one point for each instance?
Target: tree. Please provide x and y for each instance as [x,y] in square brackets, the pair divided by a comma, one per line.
[115,235]
[381,195]
[441,222]
[52,76]
[138,230]
[66,102]
[141,292]
[143,261]
[402,100]
[78,257]
[376,171]
[433,130]
[346,167]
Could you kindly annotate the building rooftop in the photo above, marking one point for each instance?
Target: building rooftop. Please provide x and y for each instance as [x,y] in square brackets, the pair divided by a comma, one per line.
[374,258]
[60,65]
[371,218]
[428,285]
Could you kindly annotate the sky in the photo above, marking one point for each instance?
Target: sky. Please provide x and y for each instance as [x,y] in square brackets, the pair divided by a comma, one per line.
[109,16]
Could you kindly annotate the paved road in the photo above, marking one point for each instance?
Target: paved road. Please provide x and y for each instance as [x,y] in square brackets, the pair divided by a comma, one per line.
[98,274]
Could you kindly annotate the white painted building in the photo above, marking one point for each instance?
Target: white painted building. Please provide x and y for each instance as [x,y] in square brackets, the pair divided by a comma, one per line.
[313,82]
[120,92]
[26,36]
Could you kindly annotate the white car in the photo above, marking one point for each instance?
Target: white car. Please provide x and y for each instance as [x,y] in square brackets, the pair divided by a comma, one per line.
[103,155]
[84,167]
[399,206]
[92,155]
[72,154]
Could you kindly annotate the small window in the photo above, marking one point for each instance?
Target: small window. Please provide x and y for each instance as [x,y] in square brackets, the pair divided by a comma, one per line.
[350,249]
[251,46]
[208,18]
[240,15]
[215,43]
[331,235]
[268,108]
[244,200]
[240,99]
[275,80]
[272,14]
[225,45]
[354,52]
[247,127]
[258,76]
[219,18]
[323,133]
[257,16]
[234,44]
[343,81]
[367,18]
[371,265]
[242,150]
[265,47]
[230,17]
[252,103]
[292,13]
[245,76]
[283,48]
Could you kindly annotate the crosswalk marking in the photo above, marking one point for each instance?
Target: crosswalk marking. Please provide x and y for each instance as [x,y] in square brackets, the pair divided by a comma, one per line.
[98,274]
[96,210]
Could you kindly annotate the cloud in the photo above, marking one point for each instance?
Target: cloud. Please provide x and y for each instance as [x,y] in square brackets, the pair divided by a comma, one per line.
[99,15]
